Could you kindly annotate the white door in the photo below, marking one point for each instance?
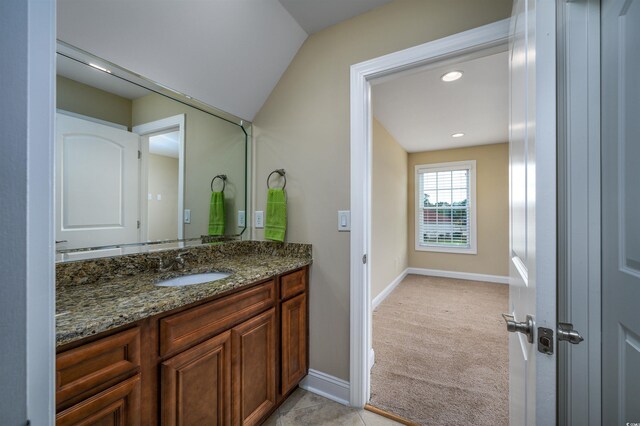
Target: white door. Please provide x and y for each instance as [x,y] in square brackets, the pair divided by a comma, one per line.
[620,93]
[97,184]
[532,168]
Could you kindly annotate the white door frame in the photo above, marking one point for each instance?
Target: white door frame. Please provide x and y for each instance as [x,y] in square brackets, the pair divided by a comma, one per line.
[467,42]
[154,127]
[579,199]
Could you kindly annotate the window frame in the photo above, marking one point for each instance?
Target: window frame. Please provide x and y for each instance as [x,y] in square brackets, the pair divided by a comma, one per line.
[443,167]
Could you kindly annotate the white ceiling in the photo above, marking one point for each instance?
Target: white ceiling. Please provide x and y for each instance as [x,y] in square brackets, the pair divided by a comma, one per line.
[82,73]
[421,112]
[316,15]
[165,144]
[229,54]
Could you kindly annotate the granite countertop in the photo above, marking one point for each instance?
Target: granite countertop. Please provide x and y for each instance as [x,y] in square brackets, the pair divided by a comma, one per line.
[97,295]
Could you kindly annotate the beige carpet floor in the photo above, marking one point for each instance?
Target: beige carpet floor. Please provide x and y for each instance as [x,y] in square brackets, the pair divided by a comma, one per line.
[441,352]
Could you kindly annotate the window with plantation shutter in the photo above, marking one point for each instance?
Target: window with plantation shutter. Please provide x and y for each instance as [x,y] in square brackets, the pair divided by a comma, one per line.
[446,207]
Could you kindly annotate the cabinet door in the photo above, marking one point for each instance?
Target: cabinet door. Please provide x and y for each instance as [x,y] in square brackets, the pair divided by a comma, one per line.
[294,341]
[196,384]
[254,368]
[118,406]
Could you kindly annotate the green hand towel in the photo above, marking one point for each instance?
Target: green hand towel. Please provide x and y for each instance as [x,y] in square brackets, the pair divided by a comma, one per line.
[216,214]
[276,220]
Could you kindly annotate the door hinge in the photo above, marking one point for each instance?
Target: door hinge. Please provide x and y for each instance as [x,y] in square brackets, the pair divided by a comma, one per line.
[364,259]
[138,224]
[139,154]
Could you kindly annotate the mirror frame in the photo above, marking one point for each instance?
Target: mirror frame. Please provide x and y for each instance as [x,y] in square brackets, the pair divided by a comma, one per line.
[90,60]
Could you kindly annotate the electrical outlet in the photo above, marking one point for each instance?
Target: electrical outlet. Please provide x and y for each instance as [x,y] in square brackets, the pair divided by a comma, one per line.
[259,219]
[241,219]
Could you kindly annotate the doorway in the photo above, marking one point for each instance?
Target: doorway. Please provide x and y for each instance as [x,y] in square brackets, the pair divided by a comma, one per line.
[440,242]
[470,44]
[162,152]
[162,186]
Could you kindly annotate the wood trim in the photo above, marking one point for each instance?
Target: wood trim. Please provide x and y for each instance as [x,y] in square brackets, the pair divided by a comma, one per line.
[184,329]
[388,415]
[121,401]
[91,368]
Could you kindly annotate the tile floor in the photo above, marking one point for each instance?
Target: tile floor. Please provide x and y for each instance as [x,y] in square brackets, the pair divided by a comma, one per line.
[309,409]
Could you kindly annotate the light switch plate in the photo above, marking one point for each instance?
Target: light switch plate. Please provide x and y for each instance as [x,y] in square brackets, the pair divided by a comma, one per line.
[259,219]
[241,219]
[187,216]
[344,220]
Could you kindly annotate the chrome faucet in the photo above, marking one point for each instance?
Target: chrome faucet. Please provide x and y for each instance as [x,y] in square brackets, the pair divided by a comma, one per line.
[174,264]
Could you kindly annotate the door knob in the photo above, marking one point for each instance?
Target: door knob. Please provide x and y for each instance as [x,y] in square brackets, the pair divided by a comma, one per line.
[525,327]
[568,334]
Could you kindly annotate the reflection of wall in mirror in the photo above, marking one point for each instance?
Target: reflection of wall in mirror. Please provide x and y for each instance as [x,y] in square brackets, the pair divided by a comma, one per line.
[213,146]
[82,99]
[162,214]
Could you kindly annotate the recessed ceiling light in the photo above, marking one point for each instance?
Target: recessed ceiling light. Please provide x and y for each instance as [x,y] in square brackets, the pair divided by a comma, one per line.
[451,76]
[98,67]
[457,135]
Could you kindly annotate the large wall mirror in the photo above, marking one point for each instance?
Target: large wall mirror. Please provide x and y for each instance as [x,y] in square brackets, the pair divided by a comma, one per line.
[138,163]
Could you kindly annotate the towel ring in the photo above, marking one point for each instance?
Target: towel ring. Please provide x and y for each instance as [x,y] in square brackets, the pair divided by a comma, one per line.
[282,173]
[224,181]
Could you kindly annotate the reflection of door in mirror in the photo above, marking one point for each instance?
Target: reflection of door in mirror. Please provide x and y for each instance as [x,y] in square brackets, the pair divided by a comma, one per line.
[97,183]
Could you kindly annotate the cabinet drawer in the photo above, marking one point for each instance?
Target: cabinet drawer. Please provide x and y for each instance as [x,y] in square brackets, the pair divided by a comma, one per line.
[186,328]
[292,284]
[118,405]
[94,366]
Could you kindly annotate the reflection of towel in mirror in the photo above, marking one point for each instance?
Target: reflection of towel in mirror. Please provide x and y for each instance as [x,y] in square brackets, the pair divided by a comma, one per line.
[216,214]
[276,220]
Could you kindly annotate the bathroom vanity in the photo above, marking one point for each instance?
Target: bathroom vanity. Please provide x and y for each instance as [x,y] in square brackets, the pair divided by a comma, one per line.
[225,352]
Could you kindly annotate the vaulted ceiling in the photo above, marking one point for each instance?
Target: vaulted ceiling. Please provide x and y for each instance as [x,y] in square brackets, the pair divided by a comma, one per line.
[229,54]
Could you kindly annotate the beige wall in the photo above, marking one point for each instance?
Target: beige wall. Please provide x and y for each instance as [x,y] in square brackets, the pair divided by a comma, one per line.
[213,146]
[492,211]
[304,128]
[389,255]
[162,214]
[86,100]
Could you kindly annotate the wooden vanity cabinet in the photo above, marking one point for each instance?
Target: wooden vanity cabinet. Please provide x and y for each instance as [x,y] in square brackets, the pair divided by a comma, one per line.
[253,374]
[294,342]
[118,405]
[229,361]
[196,384]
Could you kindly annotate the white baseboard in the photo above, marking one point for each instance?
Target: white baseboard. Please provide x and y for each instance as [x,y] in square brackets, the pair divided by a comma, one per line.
[328,386]
[498,279]
[387,291]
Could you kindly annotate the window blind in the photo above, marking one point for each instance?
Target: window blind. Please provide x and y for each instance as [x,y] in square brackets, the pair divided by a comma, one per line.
[444,208]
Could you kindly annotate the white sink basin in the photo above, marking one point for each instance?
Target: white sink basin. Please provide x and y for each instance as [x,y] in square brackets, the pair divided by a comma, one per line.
[193,279]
